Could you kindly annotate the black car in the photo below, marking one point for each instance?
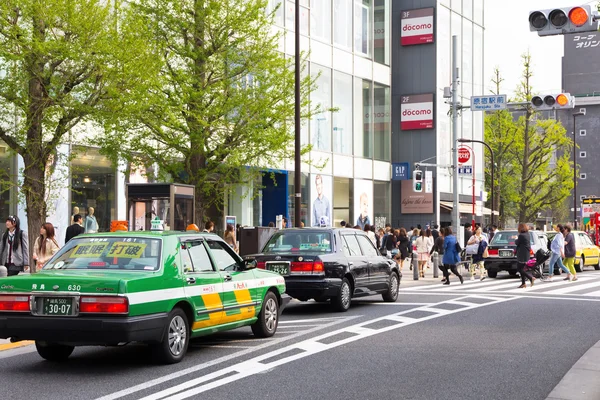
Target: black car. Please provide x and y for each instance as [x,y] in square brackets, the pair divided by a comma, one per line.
[502,251]
[330,264]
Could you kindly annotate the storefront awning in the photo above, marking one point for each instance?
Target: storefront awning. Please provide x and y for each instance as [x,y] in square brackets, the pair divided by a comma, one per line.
[465,208]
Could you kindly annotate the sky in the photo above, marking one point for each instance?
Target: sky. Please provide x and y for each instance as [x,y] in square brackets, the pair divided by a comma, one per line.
[505,42]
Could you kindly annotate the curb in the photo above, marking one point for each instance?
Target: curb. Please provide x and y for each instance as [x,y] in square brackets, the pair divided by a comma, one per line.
[581,382]
[10,346]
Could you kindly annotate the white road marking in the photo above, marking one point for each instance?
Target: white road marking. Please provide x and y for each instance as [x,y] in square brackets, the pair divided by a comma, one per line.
[574,287]
[220,346]
[310,320]
[178,374]
[547,285]
[294,326]
[310,347]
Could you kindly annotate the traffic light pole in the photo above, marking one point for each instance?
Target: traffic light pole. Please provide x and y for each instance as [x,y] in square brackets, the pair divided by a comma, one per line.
[455,202]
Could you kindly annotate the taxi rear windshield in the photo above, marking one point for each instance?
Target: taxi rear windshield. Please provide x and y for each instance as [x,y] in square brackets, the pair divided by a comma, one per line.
[508,238]
[299,242]
[107,253]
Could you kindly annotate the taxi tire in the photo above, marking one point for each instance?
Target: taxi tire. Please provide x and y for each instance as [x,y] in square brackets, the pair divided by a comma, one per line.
[342,301]
[492,273]
[53,352]
[392,293]
[269,311]
[579,267]
[161,352]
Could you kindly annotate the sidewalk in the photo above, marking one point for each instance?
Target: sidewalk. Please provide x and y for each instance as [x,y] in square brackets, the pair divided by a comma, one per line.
[581,382]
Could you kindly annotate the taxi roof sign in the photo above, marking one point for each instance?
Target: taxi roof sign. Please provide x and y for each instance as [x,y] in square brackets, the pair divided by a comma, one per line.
[157,224]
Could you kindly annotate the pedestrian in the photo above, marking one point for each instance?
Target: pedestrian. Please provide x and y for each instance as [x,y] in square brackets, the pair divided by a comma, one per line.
[435,232]
[343,224]
[570,250]
[493,230]
[404,247]
[422,244]
[45,246]
[430,242]
[468,233]
[523,243]
[413,237]
[390,244]
[229,237]
[558,253]
[14,248]
[478,262]
[371,234]
[209,227]
[451,257]
[438,247]
[75,229]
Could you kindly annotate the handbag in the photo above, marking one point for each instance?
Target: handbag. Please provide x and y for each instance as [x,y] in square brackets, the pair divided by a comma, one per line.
[458,248]
[472,248]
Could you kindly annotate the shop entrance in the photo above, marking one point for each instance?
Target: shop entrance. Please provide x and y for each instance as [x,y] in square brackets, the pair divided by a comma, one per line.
[172,203]
[274,196]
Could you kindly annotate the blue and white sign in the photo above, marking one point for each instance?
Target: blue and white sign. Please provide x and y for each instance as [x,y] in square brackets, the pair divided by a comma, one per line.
[488,103]
[465,170]
[401,171]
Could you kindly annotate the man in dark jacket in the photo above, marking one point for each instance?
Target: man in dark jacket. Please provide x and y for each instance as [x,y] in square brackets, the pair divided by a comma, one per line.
[75,229]
[468,233]
[435,233]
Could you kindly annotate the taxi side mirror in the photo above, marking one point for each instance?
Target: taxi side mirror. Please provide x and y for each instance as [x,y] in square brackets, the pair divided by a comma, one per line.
[249,264]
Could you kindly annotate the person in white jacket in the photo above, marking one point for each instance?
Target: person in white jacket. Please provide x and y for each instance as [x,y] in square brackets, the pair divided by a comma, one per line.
[430,241]
[422,244]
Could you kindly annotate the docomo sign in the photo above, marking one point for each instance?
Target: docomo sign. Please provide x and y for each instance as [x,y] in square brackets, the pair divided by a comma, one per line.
[464,155]
[417,27]
[416,112]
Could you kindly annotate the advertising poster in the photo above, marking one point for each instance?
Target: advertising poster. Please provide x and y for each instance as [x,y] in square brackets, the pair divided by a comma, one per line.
[413,202]
[417,27]
[416,112]
[321,197]
[363,202]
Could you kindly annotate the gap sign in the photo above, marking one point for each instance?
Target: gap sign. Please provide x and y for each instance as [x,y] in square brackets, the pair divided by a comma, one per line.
[416,112]
[417,27]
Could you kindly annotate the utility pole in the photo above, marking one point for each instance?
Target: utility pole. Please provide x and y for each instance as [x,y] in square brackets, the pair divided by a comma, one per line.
[455,203]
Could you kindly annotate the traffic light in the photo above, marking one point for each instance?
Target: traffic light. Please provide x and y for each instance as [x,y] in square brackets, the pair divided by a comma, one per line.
[560,101]
[560,21]
[417,181]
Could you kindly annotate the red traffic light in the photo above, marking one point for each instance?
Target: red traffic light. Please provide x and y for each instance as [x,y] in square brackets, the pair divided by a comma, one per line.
[578,16]
[563,20]
[552,101]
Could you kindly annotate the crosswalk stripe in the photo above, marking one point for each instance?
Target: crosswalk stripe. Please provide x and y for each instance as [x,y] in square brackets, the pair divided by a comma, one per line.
[593,294]
[545,286]
[574,288]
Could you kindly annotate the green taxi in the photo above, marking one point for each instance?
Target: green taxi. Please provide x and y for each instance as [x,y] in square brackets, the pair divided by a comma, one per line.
[159,288]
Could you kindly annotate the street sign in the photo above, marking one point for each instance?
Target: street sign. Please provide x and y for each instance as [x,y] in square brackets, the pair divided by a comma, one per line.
[465,170]
[428,181]
[464,155]
[488,103]
[400,171]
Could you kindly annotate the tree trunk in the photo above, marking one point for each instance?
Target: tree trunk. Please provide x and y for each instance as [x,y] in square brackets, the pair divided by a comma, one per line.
[524,172]
[34,188]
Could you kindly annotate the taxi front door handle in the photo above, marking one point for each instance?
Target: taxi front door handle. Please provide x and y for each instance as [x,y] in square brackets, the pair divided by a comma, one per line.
[227,278]
[191,281]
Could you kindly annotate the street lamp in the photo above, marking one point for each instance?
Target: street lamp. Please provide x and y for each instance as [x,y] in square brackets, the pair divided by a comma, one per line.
[461,140]
[577,114]
[297,147]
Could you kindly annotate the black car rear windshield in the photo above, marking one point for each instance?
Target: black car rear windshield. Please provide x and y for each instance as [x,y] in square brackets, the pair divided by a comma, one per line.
[299,242]
[507,238]
[108,253]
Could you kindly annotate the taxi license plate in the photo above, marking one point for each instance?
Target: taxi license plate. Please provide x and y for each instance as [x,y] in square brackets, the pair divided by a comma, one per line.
[506,253]
[57,306]
[281,269]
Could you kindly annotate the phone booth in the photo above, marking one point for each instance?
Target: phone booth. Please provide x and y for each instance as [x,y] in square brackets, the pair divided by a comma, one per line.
[170,203]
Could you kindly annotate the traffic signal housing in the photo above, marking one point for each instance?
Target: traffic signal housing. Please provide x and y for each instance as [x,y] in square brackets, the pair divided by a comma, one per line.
[418,181]
[559,101]
[564,20]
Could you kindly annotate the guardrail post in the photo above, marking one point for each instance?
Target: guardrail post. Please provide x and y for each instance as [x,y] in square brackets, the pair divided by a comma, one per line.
[436,264]
[415,265]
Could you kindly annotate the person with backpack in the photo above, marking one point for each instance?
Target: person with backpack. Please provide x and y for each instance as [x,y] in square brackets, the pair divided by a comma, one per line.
[45,246]
[14,248]
[451,256]
[478,241]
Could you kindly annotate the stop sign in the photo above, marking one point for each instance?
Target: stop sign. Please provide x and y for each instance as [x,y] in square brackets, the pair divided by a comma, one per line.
[464,155]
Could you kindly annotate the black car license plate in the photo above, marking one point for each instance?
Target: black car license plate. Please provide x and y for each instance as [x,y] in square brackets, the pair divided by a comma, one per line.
[57,306]
[281,269]
[506,253]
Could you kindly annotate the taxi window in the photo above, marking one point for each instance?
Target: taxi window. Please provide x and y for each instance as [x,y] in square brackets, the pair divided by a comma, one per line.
[509,237]
[299,242]
[366,245]
[200,261]
[351,247]
[220,253]
[108,253]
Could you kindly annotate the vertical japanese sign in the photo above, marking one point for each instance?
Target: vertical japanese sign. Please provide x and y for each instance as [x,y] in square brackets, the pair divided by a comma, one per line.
[428,181]
[417,27]
[416,112]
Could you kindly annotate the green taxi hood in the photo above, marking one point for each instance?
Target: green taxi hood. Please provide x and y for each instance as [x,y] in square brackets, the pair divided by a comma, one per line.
[71,281]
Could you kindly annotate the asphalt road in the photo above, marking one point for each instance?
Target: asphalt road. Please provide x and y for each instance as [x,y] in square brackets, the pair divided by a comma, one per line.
[457,342]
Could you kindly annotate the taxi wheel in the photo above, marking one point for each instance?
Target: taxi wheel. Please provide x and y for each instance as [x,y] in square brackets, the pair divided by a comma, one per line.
[392,293]
[344,298]
[176,338]
[579,267]
[266,325]
[53,352]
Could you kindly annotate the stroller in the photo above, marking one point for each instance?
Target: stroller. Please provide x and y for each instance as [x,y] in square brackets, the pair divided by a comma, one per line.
[536,265]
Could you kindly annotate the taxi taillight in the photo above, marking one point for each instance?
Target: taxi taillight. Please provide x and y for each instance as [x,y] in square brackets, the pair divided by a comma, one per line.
[14,303]
[493,252]
[104,305]
[261,265]
[307,267]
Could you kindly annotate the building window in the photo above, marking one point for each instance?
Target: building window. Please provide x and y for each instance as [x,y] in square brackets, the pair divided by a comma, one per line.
[320,124]
[366,136]
[582,176]
[290,11]
[320,19]
[342,23]
[278,14]
[582,132]
[381,29]
[582,154]
[342,198]
[342,118]
[362,27]
[381,117]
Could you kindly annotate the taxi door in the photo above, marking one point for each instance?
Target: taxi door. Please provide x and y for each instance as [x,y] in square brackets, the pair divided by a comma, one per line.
[239,289]
[589,250]
[203,284]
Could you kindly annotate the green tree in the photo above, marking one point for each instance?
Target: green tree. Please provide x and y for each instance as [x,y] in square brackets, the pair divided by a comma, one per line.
[62,62]
[221,106]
